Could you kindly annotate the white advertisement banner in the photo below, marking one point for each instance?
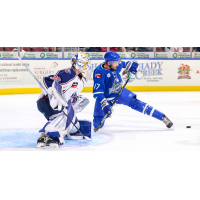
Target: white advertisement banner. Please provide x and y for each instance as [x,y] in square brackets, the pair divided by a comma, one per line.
[150,72]
[6,54]
[172,55]
[195,54]
[122,54]
[42,55]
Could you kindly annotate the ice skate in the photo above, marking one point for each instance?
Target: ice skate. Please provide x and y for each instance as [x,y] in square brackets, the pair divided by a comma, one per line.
[41,142]
[167,121]
[51,143]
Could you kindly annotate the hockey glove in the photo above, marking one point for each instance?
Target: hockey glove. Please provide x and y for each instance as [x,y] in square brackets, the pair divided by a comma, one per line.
[126,72]
[106,107]
[54,103]
[131,66]
[80,103]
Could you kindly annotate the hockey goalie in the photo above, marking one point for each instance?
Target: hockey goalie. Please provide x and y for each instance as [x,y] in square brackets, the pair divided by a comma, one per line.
[61,102]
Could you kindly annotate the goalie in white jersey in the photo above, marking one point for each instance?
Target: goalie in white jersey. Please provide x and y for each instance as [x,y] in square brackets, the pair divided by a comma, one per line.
[63,99]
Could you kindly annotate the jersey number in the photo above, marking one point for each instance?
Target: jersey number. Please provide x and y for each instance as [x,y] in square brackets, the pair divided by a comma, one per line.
[96,86]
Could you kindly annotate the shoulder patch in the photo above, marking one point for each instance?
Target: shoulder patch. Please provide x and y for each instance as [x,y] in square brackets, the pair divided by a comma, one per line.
[74,84]
[97,75]
[68,71]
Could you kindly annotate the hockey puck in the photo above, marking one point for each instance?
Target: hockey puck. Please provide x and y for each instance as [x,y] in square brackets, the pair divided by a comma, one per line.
[188,126]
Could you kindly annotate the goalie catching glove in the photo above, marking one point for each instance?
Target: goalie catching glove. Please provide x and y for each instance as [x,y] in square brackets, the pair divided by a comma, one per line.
[80,103]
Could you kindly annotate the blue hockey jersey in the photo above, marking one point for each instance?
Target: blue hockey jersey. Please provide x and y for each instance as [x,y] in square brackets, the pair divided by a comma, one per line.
[107,83]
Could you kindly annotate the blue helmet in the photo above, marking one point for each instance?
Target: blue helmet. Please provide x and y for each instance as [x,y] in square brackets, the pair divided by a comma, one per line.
[112,56]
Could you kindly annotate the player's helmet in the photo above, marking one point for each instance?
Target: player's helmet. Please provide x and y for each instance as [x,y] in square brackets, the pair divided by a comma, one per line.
[112,56]
[80,61]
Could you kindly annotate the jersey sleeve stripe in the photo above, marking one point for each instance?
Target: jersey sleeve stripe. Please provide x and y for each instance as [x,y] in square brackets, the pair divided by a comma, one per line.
[97,92]
[57,72]
[109,99]
[45,83]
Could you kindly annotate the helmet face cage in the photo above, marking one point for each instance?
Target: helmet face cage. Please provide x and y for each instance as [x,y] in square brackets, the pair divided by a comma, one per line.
[115,61]
[80,61]
[112,57]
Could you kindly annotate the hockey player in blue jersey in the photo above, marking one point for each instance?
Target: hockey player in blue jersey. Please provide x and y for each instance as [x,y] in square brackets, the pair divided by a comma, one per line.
[107,85]
[61,94]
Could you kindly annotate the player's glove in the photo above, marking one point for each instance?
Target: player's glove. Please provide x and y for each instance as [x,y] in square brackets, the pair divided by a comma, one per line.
[126,72]
[131,66]
[106,107]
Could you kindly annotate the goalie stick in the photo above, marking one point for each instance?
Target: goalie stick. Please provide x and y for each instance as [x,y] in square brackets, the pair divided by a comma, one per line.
[102,121]
[87,138]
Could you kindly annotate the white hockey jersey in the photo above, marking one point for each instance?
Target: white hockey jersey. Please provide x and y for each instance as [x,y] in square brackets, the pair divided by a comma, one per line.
[72,84]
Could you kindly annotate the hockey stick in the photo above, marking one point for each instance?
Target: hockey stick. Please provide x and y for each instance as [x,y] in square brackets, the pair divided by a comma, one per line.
[87,138]
[102,121]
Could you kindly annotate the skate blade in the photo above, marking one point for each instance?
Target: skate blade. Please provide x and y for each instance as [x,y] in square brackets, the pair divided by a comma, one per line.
[52,146]
[41,145]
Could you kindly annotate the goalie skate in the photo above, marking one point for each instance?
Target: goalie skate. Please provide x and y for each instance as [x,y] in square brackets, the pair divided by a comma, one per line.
[51,143]
[41,142]
[167,121]
[46,142]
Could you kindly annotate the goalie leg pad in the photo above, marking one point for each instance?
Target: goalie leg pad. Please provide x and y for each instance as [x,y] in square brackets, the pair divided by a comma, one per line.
[74,129]
[56,136]
[43,129]
[86,128]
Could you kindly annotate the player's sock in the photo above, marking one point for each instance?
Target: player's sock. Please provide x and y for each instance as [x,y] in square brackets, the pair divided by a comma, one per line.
[146,109]
[97,121]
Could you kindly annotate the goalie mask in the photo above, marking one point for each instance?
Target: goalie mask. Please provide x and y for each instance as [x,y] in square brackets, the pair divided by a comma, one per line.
[81,61]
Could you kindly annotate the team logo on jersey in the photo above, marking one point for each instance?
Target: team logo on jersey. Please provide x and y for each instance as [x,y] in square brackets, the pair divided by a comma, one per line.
[115,88]
[108,75]
[56,78]
[74,84]
[184,72]
[97,75]
[68,71]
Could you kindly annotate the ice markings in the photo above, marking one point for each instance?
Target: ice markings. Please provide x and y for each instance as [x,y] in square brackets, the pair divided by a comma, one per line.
[11,138]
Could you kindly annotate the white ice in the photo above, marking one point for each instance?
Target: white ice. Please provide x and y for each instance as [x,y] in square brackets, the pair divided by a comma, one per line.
[127,130]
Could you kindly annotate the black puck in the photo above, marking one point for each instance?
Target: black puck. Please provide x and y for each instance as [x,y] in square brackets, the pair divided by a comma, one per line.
[188,126]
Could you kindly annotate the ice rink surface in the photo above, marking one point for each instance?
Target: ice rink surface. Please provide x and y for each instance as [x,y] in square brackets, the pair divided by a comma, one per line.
[127,130]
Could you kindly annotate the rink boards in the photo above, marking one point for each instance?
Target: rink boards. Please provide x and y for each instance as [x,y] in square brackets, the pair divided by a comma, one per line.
[152,75]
